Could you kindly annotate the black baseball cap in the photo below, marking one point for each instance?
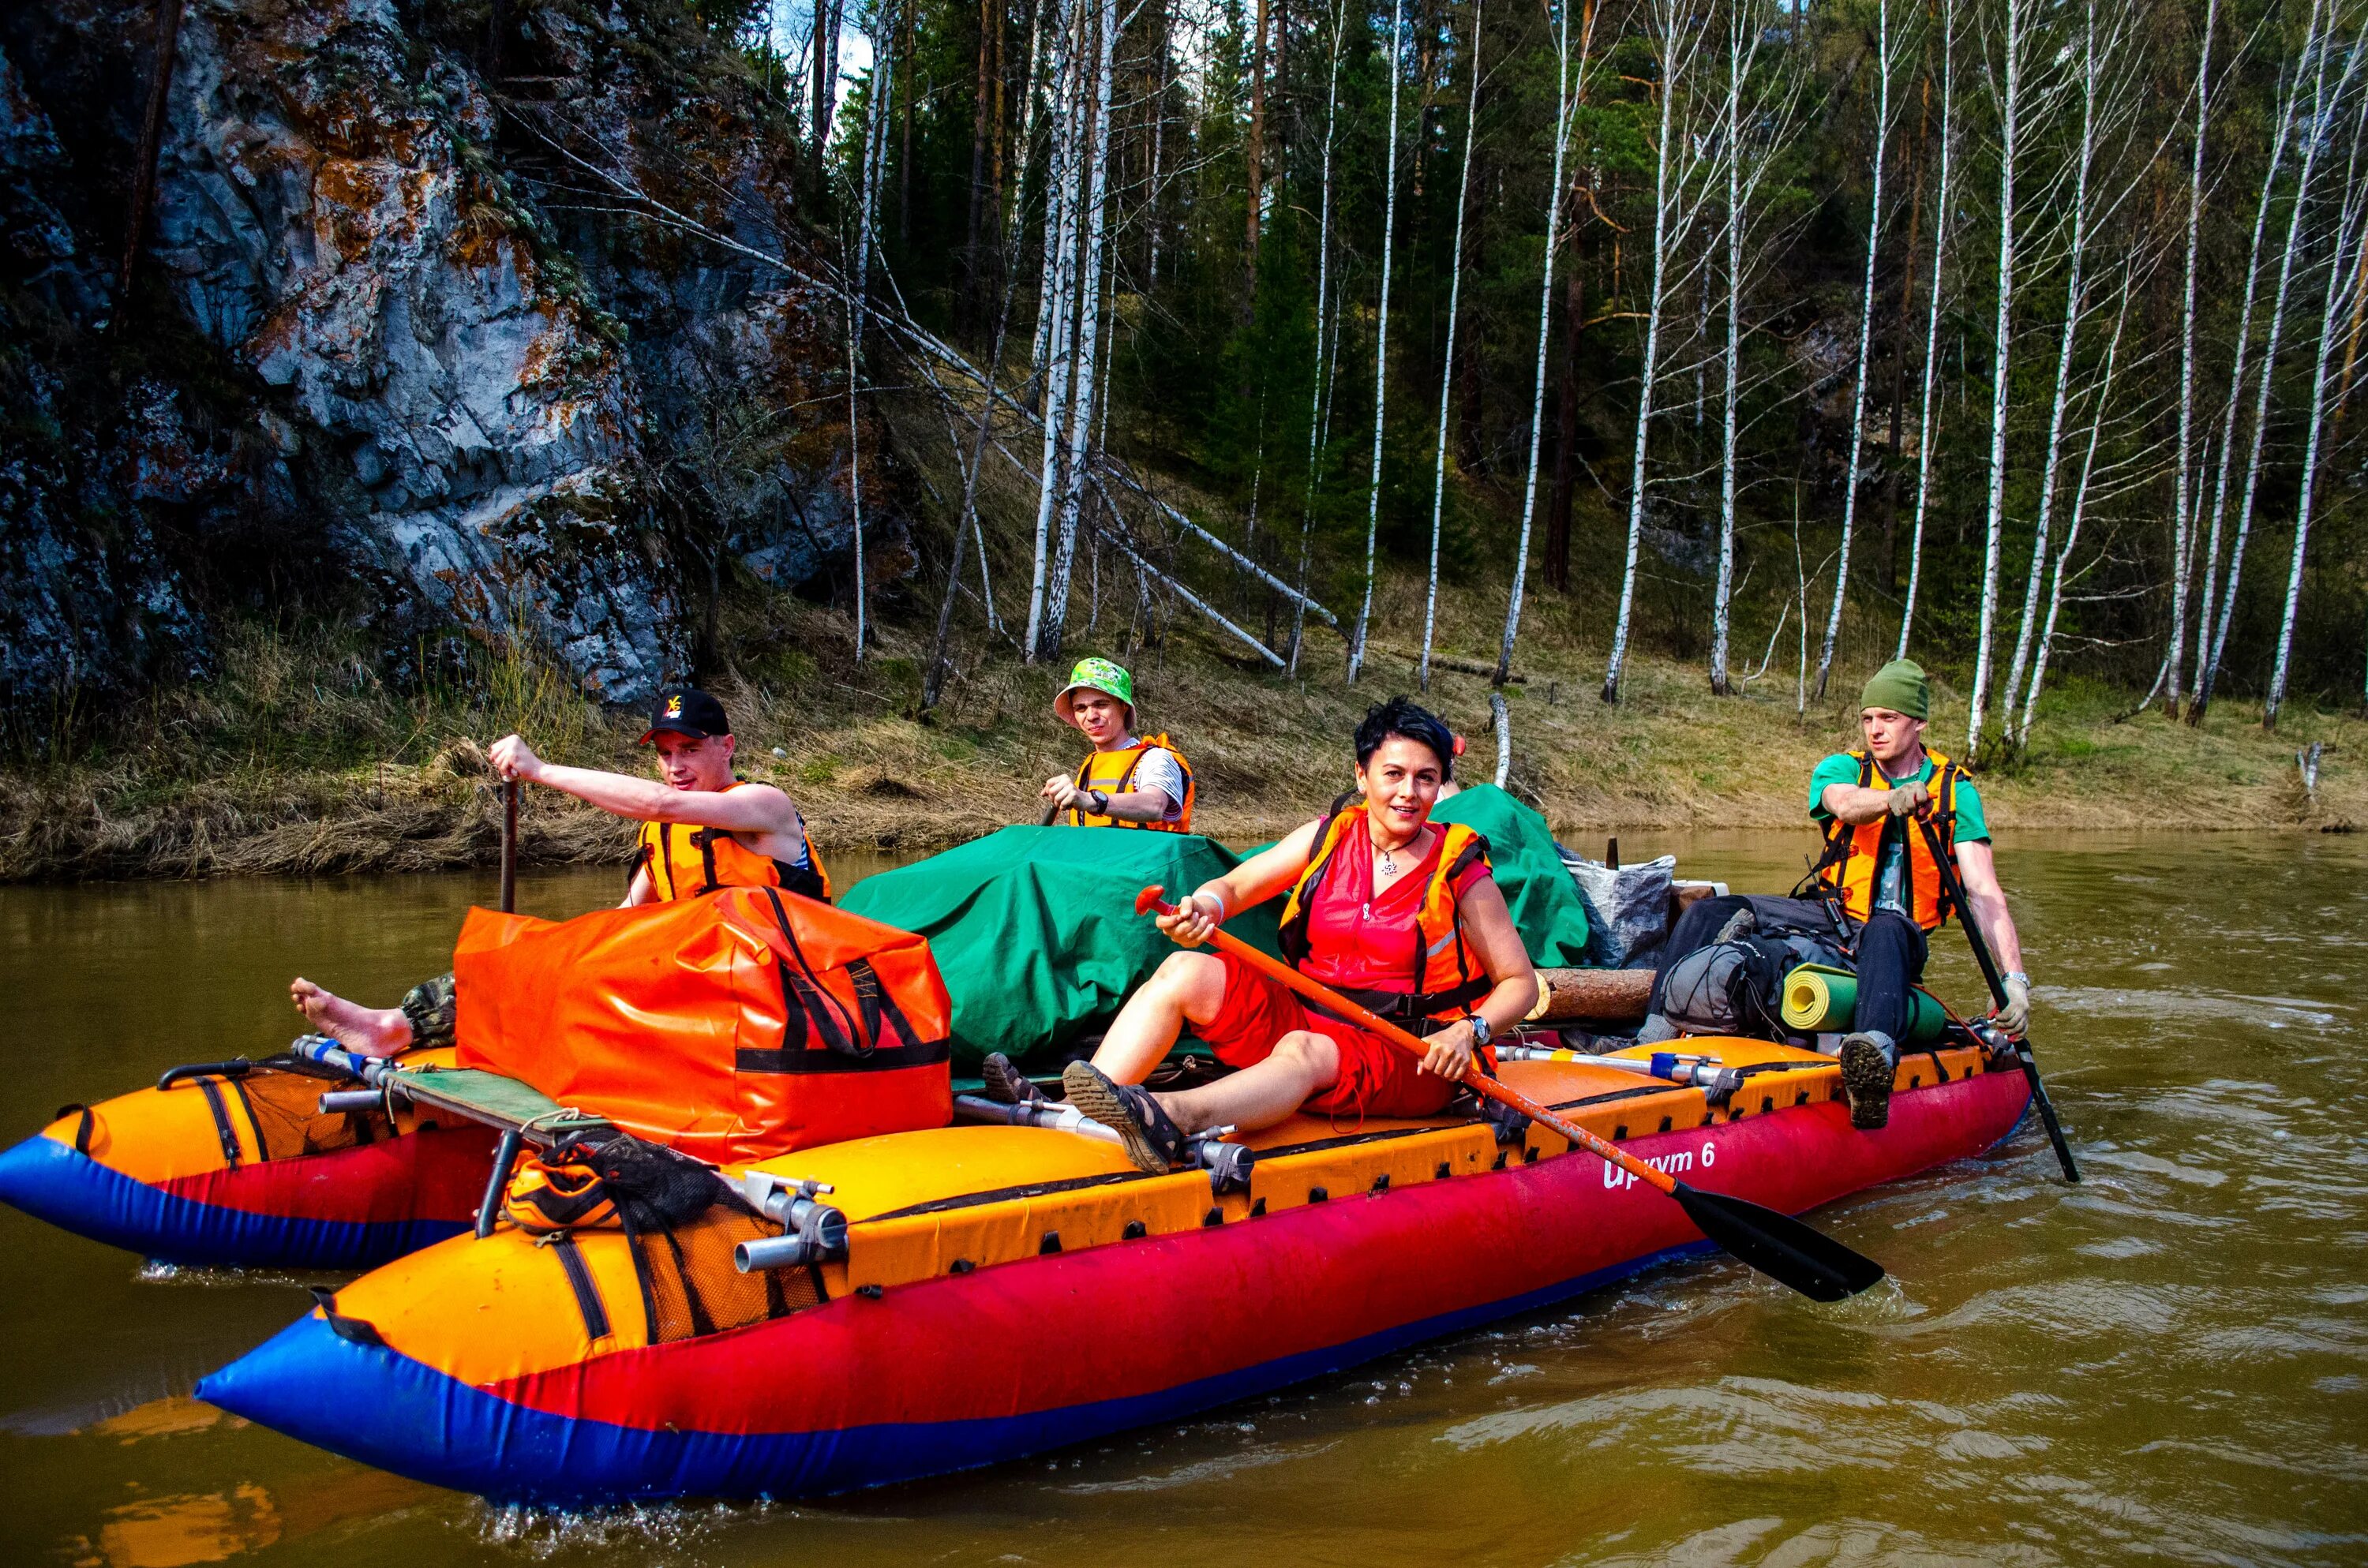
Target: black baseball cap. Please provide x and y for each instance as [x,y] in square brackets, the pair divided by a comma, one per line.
[683,711]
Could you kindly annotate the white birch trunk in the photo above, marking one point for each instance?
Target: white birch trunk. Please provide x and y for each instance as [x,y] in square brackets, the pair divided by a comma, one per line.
[2340,258]
[875,122]
[2010,128]
[2072,527]
[1318,413]
[1088,367]
[1925,423]
[1865,340]
[1565,96]
[1674,25]
[2315,137]
[1742,24]
[2183,544]
[2289,95]
[1381,343]
[1057,314]
[2059,405]
[1447,370]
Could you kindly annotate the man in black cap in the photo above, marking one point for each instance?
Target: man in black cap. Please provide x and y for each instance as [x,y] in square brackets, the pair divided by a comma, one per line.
[702,829]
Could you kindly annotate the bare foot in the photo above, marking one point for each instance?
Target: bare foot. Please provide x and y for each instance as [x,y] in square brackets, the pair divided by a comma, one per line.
[373,1031]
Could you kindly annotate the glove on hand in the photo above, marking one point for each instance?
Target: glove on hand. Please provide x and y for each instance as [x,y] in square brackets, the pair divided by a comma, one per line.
[1906,800]
[2015,1017]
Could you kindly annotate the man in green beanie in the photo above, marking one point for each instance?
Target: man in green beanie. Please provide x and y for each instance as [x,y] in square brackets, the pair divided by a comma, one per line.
[1877,880]
[1873,804]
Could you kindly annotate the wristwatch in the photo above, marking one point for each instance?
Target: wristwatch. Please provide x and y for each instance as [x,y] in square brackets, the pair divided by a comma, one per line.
[1100,798]
[1480,1031]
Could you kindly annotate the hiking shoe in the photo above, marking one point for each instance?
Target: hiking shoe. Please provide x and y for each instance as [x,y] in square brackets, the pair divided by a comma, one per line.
[1153,1141]
[1867,1072]
[1007,1085]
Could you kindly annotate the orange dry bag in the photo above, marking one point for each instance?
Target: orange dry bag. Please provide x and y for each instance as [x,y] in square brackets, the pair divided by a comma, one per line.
[734,1027]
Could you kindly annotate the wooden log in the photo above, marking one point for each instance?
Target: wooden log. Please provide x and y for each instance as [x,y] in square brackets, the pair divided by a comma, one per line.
[1591,995]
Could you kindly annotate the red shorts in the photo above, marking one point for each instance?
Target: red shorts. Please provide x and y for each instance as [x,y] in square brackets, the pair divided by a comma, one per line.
[1377,1078]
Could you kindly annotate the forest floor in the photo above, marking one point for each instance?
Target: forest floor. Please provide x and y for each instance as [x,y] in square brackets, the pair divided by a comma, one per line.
[295,757]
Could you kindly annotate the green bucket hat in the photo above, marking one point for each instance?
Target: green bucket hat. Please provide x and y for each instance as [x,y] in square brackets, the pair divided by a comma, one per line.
[1901,687]
[1096,674]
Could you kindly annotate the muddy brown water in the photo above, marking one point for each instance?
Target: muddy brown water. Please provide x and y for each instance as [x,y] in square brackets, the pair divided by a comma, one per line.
[2167,1365]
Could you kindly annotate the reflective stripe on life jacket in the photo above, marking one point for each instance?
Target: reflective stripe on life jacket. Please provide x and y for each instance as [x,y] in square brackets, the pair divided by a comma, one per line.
[685,860]
[1853,856]
[1112,772]
[1444,973]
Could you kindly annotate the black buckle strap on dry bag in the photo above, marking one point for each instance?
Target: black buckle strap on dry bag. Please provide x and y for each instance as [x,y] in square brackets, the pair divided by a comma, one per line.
[832,1022]
[877,1007]
[579,1280]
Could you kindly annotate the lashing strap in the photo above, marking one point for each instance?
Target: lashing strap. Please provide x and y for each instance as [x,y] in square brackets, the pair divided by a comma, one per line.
[84,1125]
[580,1280]
[878,1006]
[222,1129]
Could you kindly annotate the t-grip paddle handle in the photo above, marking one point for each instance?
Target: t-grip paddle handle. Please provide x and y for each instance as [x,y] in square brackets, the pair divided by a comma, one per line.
[1776,1245]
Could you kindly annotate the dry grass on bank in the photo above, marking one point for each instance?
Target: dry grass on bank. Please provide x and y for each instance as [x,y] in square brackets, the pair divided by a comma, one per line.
[298,759]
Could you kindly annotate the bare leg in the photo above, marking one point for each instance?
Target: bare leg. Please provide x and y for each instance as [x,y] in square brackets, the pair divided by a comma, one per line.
[1302,1066]
[1185,985]
[373,1031]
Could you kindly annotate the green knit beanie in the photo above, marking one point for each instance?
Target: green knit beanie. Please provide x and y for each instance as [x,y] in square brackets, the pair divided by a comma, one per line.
[1899,686]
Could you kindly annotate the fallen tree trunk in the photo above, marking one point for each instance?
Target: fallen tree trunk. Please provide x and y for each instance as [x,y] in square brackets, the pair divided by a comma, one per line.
[1591,995]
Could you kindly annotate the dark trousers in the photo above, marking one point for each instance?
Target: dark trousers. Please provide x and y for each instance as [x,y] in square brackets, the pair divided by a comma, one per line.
[1891,954]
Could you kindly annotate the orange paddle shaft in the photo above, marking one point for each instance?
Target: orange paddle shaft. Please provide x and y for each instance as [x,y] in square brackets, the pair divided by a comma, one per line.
[1316,991]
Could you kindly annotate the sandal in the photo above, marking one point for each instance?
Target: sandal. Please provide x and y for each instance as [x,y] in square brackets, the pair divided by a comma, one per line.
[1151,1140]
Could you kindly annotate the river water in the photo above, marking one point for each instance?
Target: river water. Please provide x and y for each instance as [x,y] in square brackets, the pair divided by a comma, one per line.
[2169,1364]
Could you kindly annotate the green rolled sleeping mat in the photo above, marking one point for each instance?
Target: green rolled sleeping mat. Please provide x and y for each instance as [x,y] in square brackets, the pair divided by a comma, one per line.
[1822,1000]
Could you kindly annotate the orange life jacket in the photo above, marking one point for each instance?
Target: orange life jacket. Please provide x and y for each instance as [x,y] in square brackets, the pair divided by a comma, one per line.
[1853,853]
[1444,973]
[1112,772]
[686,860]
[735,1027]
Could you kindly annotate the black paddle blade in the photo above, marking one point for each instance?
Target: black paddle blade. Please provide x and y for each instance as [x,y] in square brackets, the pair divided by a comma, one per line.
[1779,1245]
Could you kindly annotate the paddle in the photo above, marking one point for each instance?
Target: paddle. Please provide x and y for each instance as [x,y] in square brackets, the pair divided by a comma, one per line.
[1776,1245]
[1947,861]
[509,847]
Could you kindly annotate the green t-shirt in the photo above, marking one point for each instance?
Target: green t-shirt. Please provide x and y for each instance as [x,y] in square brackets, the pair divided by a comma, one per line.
[1841,767]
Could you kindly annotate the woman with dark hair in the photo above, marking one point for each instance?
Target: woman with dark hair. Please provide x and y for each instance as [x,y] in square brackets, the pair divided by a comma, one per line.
[1394,912]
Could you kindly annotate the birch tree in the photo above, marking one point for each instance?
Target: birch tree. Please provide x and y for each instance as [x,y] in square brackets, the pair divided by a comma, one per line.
[1089,306]
[2317,133]
[1381,343]
[2186,501]
[2289,96]
[1671,25]
[2343,249]
[1319,410]
[2080,222]
[1057,309]
[1884,58]
[1927,431]
[2018,25]
[1447,363]
[2102,408]
[1567,84]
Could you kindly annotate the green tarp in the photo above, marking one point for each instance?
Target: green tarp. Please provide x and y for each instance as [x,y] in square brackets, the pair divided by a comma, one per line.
[1537,889]
[1035,931]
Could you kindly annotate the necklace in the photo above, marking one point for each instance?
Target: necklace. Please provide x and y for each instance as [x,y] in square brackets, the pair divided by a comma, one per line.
[1385,855]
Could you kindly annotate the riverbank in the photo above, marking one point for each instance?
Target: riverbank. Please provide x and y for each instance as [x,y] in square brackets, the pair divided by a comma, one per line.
[298,759]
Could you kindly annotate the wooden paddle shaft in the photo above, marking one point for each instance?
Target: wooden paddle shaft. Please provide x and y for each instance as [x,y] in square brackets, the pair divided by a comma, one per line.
[509,847]
[1316,991]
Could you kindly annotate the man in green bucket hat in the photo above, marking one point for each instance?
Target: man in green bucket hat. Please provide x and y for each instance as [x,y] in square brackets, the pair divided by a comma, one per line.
[1123,782]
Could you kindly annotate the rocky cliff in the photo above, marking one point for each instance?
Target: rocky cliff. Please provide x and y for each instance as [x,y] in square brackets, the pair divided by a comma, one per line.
[395,347]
